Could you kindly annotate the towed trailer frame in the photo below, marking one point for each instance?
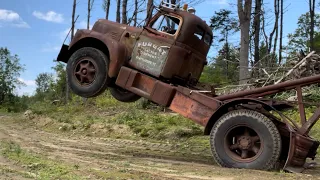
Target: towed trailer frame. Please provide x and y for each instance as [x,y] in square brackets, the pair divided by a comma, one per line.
[205,110]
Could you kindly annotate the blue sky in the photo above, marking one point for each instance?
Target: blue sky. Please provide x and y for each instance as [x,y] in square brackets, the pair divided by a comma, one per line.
[35,29]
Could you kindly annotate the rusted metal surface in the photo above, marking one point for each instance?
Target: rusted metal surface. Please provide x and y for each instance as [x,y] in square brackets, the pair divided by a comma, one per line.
[272,89]
[191,108]
[243,144]
[300,148]
[116,51]
[162,93]
[85,71]
[146,86]
[301,105]
[246,145]
[201,98]
[178,58]
[187,32]
[136,82]
[150,55]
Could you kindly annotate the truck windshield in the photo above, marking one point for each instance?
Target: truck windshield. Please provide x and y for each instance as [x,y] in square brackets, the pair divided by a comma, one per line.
[166,24]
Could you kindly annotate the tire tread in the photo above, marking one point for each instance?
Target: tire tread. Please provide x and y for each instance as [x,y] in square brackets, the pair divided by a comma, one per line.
[262,119]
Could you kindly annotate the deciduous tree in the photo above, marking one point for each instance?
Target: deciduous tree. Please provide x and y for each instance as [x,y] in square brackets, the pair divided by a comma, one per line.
[90,5]
[106,7]
[124,11]
[244,13]
[118,11]
[10,69]
[223,22]
[256,29]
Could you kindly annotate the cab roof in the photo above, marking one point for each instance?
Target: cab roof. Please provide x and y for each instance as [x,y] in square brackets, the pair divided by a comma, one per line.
[188,18]
[190,25]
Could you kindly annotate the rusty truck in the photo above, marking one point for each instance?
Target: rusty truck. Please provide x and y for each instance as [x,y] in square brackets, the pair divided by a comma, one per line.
[163,61]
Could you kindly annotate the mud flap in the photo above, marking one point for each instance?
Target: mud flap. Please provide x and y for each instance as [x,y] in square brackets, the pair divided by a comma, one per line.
[63,54]
[301,147]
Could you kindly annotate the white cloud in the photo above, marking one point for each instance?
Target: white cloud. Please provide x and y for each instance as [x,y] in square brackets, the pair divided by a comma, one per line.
[27,82]
[11,18]
[50,16]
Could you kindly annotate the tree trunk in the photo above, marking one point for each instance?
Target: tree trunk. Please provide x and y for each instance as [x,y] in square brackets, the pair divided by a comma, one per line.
[276,37]
[118,11]
[149,10]
[276,22]
[256,25]
[281,31]
[135,13]
[124,11]
[73,14]
[90,4]
[264,30]
[68,94]
[244,13]
[107,7]
[311,7]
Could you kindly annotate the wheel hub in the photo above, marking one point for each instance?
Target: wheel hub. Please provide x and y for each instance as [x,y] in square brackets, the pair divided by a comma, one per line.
[244,142]
[85,71]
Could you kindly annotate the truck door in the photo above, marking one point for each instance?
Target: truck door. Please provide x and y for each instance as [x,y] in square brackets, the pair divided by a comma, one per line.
[153,46]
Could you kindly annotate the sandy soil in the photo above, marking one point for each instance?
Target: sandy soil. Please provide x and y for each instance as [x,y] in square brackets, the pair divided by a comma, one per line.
[107,158]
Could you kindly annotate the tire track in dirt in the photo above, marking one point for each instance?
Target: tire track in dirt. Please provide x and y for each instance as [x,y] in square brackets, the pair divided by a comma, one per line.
[105,154]
[97,153]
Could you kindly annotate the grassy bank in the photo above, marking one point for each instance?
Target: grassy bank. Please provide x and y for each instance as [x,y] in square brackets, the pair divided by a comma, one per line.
[104,116]
[35,166]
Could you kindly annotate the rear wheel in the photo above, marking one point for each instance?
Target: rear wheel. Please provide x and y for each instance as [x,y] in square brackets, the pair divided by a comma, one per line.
[245,139]
[123,95]
[87,72]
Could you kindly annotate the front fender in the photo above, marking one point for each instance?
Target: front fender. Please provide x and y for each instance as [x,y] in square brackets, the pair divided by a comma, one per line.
[115,50]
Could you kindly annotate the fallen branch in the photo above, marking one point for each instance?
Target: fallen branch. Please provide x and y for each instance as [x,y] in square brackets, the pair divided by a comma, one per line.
[297,65]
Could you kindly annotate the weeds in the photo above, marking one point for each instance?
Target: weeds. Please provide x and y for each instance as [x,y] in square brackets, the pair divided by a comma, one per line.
[155,125]
[43,168]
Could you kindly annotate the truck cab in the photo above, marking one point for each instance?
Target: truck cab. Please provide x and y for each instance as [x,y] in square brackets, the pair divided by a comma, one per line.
[172,47]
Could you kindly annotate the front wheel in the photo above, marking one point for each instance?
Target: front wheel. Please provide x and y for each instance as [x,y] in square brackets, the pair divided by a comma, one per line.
[245,139]
[87,72]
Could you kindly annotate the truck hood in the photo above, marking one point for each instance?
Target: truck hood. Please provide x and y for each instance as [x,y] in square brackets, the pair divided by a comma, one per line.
[112,29]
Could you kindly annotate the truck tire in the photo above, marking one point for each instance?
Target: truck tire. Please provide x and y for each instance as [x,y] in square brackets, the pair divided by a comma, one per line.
[123,95]
[245,139]
[87,72]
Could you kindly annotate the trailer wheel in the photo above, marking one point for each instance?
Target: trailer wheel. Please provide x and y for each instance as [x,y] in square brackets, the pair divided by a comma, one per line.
[87,72]
[245,139]
[123,95]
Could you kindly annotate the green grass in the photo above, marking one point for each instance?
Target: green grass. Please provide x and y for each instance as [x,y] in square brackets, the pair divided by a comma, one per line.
[156,125]
[142,119]
[44,168]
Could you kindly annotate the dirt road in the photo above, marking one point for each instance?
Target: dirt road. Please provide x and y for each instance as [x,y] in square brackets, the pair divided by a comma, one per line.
[105,158]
